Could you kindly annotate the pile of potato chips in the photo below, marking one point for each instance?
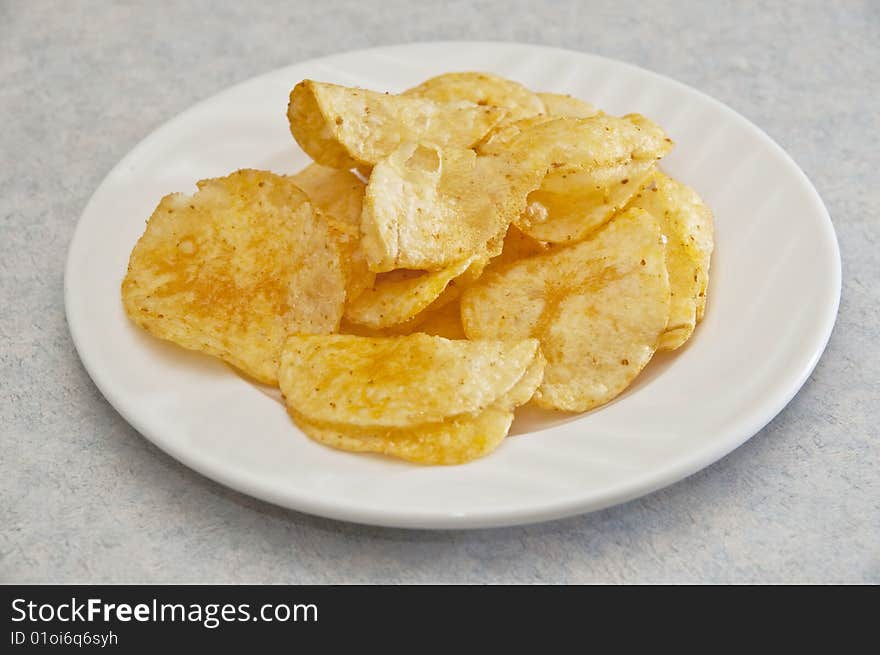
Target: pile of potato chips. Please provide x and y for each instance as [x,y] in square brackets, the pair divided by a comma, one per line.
[455,251]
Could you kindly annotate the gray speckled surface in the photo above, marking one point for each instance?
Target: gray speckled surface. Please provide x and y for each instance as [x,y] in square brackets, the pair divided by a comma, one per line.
[84,498]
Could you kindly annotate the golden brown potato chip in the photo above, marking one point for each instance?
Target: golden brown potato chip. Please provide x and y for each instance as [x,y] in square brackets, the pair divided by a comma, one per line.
[339,196]
[592,165]
[345,128]
[454,441]
[471,274]
[517,245]
[398,296]
[599,309]
[398,381]
[440,319]
[687,223]
[572,204]
[443,321]
[428,207]
[560,104]
[482,89]
[235,268]
[431,319]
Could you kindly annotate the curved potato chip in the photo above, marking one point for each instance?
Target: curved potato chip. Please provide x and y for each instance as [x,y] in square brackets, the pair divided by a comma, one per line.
[443,321]
[235,268]
[398,296]
[524,390]
[345,127]
[598,307]
[556,105]
[581,143]
[337,193]
[471,274]
[560,104]
[454,441]
[427,207]
[517,245]
[593,167]
[339,196]
[501,135]
[398,381]
[687,223]
[571,205]
[481,89]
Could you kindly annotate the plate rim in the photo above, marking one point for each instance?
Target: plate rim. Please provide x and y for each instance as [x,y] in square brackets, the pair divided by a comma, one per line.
[648,482]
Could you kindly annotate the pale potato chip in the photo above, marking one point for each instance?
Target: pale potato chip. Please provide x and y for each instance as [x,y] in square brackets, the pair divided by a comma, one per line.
[687,223]
[428,207]
[581,143]
[555,106]
[560,104]
[598,307]
[592,167]
[339,196]
[501,135]
[481,89]
[398,296]
[524,390]
[235,268]
[345,127]
[454,441]
[337,193]
[398,381]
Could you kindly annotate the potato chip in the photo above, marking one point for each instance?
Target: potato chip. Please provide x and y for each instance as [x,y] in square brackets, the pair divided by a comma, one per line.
[428,207]
[572,204]
[499,137]
[524,390]
[687,223]
[582,143]
[344,127]
[235,268]
[443,321]
[454,441]
[339,196]
[398,381]
[482,89]
[385,310]
[398,296]
[559,104]
[592,165]
[517,245]
[598,307]
[555,106]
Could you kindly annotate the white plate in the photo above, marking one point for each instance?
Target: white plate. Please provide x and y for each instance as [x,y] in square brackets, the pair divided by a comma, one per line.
[773,298]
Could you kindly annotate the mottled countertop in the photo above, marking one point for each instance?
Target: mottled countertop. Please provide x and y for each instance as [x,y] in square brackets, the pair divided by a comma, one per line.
[84,498]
